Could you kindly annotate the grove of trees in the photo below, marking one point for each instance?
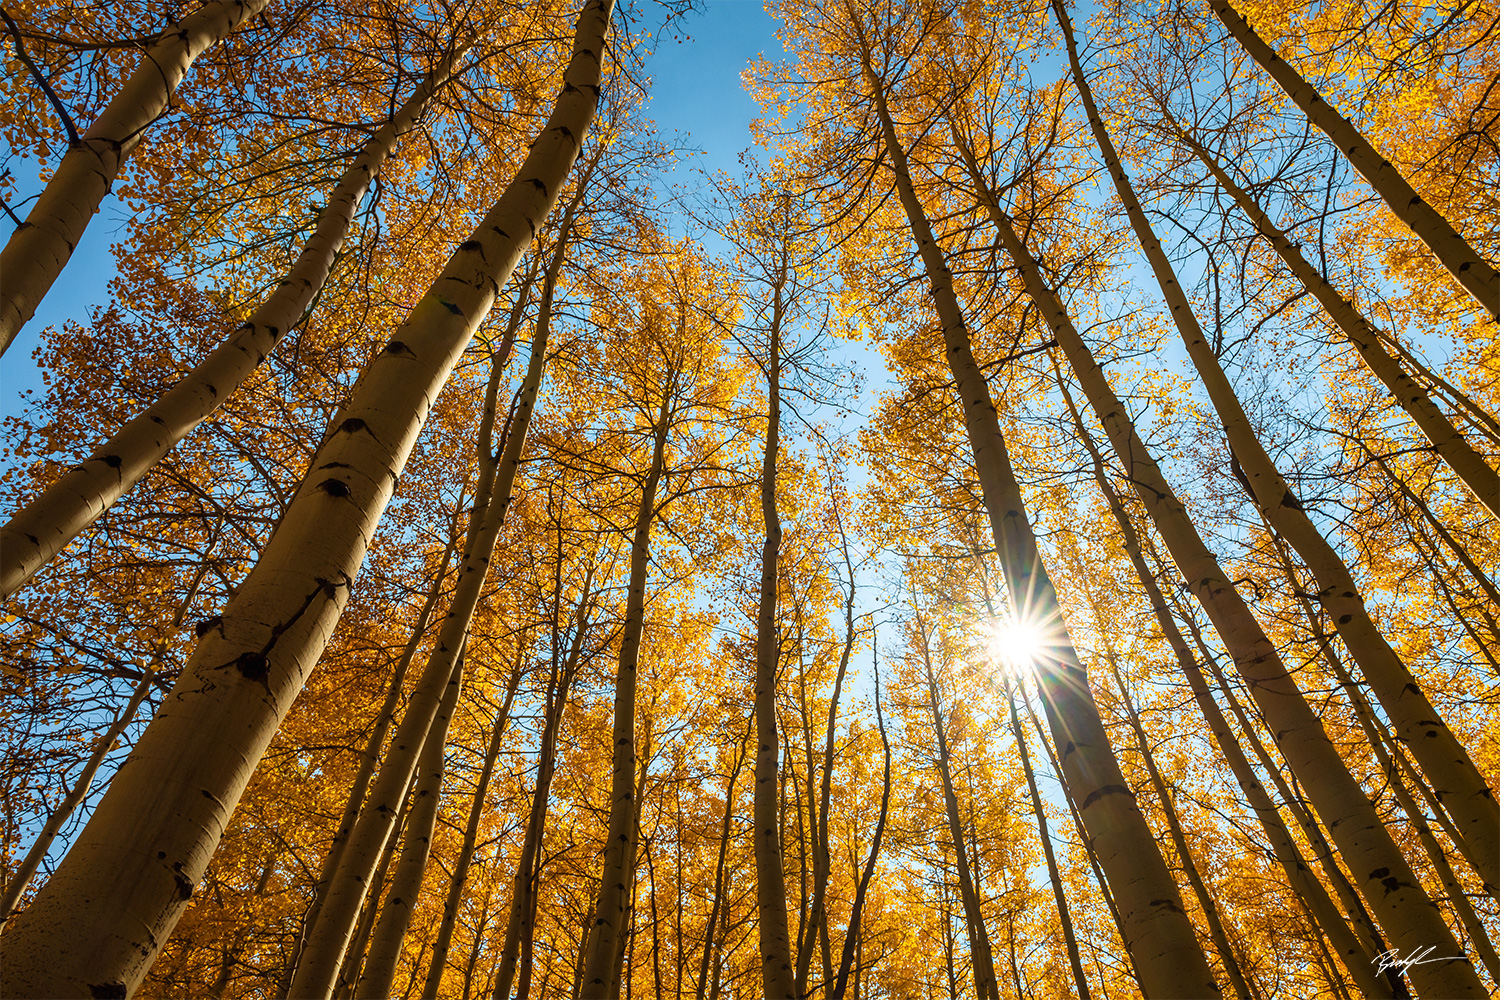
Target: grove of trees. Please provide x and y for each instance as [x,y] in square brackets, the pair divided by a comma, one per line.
[1029,532]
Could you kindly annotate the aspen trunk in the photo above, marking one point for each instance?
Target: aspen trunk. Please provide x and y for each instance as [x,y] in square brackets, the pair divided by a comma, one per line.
[716,906]
[327,940]
[1084,841]
[406,884]
[1179,841]
[1080,981]
[1481,420]
[39,249]
[355,800]
[523,892]
[853,940]
[1359,919]
[1473,272]
[471,838]
[1158,931]
[26,870]
[40,529]
[981,952]
[777,976]
[601,965]
[1410,917]
[354,956]
[822,859]
[1447,764]
[102,918]
[1446,440]
[1358,960]
[1396,778]
[626,945]
[1382,745]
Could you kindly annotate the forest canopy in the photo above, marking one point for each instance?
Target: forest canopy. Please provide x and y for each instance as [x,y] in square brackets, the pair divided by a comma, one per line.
[1029,530]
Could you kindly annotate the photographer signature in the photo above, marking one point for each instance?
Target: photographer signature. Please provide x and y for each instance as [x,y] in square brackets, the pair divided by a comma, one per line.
[1392,959]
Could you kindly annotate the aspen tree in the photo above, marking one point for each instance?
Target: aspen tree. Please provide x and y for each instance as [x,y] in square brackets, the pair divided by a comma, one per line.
[775,940]
[39,530]
[353,958]
[105,913]
[853,939]
[406,883]
[38,250]
[498,729]
[1080,981]
[523,895]
[1359,919]
[986,986]
[1083,837]
[1405,910]
[822,860]
[1179,840]
[1160,935]
[328,939]
[711,928]
[1451,445]
[1447,764]
[1355,957]
[601,960]
[1382,747]
[370,757]
[1472,271]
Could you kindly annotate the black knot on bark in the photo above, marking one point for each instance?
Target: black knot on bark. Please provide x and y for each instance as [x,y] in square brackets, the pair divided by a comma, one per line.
[1104,790]
[113,461]
[207,625]
[396,347]
[334,487]
[184,885]
[253,667]
[351,425]
[107,991]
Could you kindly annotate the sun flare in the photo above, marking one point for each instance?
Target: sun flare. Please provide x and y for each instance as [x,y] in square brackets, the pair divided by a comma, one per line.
[1015,645]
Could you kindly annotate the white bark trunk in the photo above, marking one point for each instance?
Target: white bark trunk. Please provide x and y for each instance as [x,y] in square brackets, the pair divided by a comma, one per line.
[1451,445]
[1447,764]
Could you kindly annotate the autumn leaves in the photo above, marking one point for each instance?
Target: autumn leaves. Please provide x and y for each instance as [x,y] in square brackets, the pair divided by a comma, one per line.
[709,821]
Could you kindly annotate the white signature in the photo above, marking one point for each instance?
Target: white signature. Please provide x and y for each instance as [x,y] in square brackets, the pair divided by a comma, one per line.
[1392,959]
